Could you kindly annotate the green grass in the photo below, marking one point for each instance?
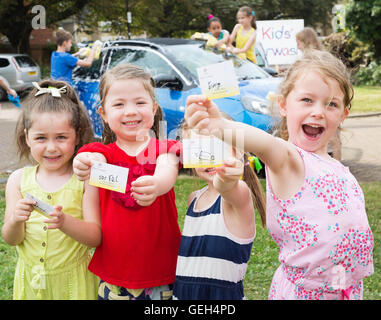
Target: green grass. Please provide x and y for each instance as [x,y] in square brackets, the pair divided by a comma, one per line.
[8,257]
[264,258]
[366,99]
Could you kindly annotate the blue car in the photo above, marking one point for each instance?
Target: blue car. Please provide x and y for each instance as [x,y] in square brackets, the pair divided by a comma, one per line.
[173,65]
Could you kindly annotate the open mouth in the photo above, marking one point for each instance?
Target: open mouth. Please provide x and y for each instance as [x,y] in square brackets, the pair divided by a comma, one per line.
[210,170]
[312,131]
[131,123]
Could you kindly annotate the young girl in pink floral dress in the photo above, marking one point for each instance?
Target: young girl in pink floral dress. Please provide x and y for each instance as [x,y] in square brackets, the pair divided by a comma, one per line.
[315,207]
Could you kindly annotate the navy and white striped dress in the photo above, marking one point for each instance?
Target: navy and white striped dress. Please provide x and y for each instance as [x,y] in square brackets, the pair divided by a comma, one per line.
[212,262]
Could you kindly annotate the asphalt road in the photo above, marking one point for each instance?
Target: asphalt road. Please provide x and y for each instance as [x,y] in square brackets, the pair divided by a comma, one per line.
[361,139]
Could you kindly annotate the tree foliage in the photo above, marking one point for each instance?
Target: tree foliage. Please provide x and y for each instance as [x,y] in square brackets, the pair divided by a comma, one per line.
[178,18]
[16,17]
[363,18]
[164,18]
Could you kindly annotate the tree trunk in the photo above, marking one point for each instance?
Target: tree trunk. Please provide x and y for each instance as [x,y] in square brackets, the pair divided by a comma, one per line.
[20,41]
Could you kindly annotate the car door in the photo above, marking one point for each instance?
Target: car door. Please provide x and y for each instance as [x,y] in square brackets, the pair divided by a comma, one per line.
[170,100]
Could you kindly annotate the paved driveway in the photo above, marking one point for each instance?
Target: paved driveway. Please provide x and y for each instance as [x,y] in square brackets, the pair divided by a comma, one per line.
[361,140]
[8,149]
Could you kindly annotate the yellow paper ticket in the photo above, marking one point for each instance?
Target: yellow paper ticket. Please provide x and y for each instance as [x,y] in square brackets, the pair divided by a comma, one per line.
[108,176]
[204,152]
[218,80]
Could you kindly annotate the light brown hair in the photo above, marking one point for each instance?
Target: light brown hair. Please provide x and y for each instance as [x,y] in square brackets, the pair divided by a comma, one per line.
[327,66]
[62,35]
[68,102]
[249,12]
[124,72]
[309,38]
[249,176]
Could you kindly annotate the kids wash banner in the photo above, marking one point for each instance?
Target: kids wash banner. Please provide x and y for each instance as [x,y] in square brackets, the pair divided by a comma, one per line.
[278,39]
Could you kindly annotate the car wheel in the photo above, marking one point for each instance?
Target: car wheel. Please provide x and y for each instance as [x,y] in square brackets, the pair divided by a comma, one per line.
[3,95]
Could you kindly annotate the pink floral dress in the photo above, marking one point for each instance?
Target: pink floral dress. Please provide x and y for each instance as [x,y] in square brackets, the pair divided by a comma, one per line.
[325,242]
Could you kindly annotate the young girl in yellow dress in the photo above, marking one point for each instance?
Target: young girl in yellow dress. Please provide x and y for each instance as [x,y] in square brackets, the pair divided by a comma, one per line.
[244,34]
[53,249]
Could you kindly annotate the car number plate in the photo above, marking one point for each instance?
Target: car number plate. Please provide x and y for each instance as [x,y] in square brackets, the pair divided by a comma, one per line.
[32,73]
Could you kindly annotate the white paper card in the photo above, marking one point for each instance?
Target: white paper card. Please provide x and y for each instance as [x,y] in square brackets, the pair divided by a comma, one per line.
[204,152]
[108,176]
[41,206]
[218,80]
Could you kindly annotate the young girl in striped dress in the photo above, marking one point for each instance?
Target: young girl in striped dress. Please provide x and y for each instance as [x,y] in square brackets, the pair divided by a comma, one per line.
[219,231]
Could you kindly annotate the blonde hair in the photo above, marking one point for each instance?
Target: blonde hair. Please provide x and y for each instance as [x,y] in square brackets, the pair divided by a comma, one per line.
[68,102]
[309,38]
[326,65]
[125,72]
[249,176]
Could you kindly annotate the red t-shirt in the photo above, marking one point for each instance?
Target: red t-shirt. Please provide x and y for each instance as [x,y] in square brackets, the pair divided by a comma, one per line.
[139,244]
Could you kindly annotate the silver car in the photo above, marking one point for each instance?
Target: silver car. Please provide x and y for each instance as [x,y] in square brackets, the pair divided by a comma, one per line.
[18,71]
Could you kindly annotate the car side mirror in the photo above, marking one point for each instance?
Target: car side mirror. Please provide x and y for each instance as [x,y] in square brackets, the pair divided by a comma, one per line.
[168,81]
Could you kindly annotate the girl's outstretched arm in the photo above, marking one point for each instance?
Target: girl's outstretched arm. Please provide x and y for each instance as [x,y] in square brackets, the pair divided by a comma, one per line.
[146,189]
[281,157]
[83,161]
[237,201]
[204,115]
[87,231]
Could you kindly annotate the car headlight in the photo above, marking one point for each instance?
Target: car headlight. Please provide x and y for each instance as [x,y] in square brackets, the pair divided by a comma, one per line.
[255,104]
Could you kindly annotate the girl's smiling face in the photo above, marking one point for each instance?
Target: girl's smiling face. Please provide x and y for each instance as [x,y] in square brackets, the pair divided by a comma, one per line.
[52,140]
[215,29]
[314,109]
[129,109]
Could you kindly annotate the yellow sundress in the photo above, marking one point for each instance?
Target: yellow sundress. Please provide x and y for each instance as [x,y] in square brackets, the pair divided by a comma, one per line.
[240,43]
[51,265]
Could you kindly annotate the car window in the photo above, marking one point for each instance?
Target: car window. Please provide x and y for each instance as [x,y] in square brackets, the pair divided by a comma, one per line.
[194,56]
[25,61]
[146,59]
[93,72]
[4,63]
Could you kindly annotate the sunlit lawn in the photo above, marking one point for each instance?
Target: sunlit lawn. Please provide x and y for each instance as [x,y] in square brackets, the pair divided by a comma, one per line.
[366,99]
[264,259]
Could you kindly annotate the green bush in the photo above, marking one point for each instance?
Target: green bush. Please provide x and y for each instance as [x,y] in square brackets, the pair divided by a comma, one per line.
[349,49]
[369,76]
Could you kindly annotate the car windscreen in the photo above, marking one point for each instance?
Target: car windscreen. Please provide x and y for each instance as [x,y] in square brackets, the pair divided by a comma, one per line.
[25,61]
[194,56]
[145,58]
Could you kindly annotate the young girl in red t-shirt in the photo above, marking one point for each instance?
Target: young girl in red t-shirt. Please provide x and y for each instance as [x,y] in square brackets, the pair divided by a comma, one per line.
[140,232]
